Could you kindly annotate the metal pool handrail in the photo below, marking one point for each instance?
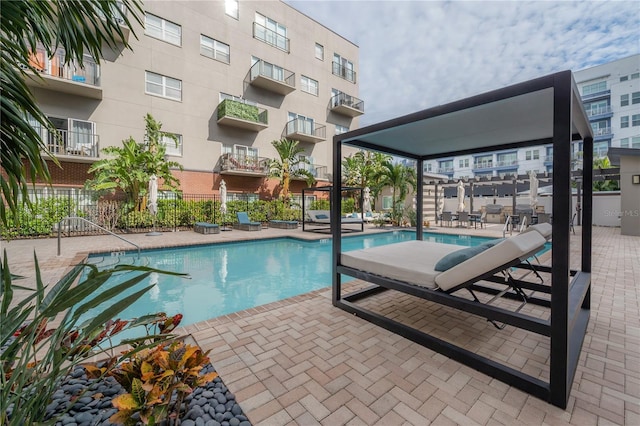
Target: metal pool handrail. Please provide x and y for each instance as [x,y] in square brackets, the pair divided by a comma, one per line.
[68,218]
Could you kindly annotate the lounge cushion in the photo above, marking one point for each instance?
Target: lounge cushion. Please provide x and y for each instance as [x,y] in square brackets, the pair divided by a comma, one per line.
[457,257]
[322,216]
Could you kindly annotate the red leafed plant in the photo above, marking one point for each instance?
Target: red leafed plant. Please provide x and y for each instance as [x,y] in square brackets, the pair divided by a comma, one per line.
[151,377]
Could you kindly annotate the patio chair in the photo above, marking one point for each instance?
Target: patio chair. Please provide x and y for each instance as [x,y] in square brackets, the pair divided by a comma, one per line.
[463,217]
[245,224]
[478,218]
[446,217]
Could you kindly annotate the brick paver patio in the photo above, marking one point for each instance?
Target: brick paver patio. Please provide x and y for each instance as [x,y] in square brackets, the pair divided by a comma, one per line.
[303,362]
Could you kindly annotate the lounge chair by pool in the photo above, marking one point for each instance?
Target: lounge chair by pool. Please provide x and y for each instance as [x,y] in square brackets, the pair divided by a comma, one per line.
[245,224]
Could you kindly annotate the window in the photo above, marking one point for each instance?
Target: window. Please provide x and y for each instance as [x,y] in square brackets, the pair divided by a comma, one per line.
[595,108]
[590,89]
[269,70]
[600,149]
[635,142]
[214,49]
[635,75]
[624,78]
[343,67]
[511,158]
[387,202]
[463,163]
[428,167]
[635,98]
[341,129]
[162,29]
[635,120]
[231,8]
[309,85]
[271,32]
[164,86]
[173,144]
[624,100]
[445,166]
[624,121]
[319,52]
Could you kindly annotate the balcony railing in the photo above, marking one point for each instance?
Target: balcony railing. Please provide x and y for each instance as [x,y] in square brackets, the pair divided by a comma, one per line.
[347,105]
[479,165]
[242,115]
[318,172]
[270,37]
[272,77]
[241,164]
[344,72]
[603,131]
[305,130]
[75,144]
[506,163]
[599,111]
[54,67]
[445,169]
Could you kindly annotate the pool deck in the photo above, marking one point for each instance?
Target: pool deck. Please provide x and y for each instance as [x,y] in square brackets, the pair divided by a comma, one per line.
[303,362]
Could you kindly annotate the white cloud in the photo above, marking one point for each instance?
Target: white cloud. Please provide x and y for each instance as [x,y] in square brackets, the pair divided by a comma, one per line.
[418,54]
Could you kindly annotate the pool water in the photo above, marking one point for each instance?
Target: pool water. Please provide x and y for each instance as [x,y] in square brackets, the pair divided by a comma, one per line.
[231,277]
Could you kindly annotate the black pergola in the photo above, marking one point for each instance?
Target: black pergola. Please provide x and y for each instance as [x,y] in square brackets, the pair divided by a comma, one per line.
[546,110]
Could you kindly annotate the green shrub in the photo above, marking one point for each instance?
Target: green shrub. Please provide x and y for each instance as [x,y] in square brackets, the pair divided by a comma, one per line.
[231,108]
[40,218]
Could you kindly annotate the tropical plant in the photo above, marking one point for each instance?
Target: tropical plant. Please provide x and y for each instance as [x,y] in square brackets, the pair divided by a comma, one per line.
[607,184]
[131,166]
[34,358]
[363,169]
[152,376]
[400,178]
[289,165]
[78,27]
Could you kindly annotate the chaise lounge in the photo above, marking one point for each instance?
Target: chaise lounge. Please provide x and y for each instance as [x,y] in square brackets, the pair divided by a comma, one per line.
[245,224]
[321,222]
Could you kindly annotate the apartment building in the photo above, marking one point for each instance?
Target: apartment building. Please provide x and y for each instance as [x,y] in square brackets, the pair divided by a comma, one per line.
[611,97]
[225,77]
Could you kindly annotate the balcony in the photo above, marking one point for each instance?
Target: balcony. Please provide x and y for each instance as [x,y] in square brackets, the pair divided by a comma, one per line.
[603,133]
[73,79]
[600,113]
[482,165]
[506,164]
[273,78]
[317,171]
[244,165]
[548,160]
[241,115]
[119,10]
[344,72]
[347,105]
[445,170]
[595,96]
[305,131]
[67,144]
[270,37]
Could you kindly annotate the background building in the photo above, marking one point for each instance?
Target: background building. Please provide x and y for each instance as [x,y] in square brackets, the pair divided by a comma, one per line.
[611,96]
[226,77]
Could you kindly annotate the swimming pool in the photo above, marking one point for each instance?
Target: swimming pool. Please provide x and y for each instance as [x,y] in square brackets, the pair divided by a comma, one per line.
[230,277]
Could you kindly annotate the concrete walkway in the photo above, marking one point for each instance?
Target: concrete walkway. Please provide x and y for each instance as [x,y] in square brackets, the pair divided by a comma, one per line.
[303,362]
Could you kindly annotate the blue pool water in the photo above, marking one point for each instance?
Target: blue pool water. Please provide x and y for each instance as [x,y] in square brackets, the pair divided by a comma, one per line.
[231,277]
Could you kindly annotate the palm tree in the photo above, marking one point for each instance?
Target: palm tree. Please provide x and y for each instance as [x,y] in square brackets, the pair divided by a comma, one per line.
[79,27]
[131,166]
[400,178]
[363,169]
[288,166]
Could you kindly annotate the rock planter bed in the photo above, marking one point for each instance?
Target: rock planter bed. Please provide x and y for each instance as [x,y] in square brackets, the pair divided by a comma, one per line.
[209,405]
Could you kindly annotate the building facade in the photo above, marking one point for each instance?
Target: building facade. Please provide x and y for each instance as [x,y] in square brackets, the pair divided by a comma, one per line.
[611,97]
[225,77]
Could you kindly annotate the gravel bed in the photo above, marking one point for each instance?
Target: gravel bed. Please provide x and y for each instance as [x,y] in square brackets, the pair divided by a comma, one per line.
[209,405]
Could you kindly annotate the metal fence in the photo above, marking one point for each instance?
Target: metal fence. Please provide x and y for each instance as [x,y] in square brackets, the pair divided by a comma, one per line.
[175,212]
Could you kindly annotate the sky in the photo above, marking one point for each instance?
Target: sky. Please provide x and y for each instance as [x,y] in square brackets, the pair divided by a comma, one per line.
[415,55]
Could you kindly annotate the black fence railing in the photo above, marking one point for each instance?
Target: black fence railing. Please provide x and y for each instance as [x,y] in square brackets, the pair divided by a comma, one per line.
[175,212]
